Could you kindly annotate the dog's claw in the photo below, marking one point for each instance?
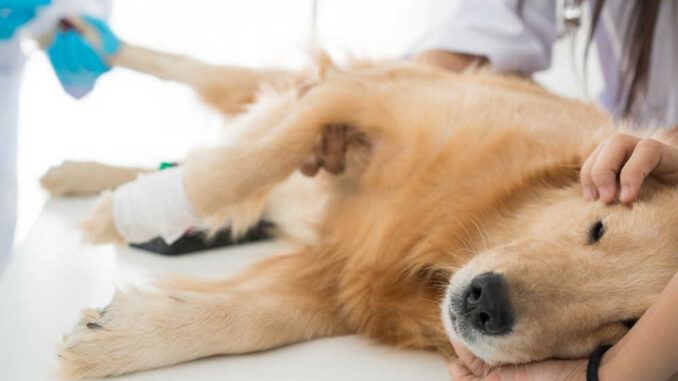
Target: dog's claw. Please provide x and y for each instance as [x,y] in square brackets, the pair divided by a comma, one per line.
[93,326]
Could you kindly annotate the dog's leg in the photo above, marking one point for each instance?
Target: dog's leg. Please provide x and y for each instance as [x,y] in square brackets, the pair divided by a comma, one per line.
[74,178]
[282,300]
[228,89]
[230,181]
[219,178]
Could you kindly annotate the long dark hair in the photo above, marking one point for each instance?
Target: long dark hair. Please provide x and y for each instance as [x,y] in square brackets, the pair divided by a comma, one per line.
[641,19]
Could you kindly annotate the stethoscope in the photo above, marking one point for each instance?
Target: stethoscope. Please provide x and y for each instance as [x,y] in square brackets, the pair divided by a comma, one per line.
[572,16]
[572,13]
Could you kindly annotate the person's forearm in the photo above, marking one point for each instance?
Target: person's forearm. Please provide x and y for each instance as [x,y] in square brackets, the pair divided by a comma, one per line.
[650,350]
[449,60]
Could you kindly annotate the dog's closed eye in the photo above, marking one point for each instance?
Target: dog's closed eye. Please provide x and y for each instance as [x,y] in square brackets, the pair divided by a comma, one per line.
[596,232]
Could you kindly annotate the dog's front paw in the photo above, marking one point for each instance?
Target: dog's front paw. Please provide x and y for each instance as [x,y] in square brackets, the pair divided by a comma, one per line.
[99,226]
[82,178]
[69,178]
[88,350]
[102,344]
[134,332]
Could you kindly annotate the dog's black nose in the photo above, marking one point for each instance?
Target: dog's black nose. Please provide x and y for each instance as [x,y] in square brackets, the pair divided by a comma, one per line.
[487,304]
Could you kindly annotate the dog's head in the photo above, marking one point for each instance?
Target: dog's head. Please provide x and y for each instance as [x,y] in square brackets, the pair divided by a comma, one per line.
[577,278]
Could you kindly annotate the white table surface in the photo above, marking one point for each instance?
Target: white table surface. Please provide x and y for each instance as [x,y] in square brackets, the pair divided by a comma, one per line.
[53,275]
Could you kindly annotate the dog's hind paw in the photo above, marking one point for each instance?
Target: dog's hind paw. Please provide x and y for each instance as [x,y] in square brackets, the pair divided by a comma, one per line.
[99,226]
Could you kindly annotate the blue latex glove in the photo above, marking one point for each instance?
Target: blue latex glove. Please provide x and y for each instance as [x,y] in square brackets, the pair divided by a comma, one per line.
[77,63]
[15,13]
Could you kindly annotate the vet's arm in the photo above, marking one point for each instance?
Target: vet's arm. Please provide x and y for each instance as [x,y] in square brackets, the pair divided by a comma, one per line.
[650,350]
[512,36]
[450,61]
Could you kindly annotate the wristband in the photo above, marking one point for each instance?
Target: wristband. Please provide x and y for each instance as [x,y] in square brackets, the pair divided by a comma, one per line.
[594,362]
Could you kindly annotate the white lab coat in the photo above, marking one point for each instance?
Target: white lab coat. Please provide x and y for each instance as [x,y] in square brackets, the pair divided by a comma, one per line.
[11,67]
[516,39]
[10,78]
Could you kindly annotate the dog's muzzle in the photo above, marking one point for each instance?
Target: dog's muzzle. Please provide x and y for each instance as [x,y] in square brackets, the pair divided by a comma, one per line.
[485,305]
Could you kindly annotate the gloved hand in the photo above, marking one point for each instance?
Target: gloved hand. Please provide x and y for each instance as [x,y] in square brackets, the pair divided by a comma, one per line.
[78,63]
[15,13]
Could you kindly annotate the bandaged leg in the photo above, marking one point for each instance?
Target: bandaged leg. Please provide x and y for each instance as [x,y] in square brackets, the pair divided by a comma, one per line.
[154,205]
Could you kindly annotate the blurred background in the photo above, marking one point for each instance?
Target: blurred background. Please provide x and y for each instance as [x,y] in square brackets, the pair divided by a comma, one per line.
[133,119]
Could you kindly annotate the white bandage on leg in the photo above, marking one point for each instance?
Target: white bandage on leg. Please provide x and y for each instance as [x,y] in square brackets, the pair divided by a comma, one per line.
[154,205]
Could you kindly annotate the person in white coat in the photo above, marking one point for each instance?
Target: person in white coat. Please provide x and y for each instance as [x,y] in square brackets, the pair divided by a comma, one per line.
[76,64]
[636,43]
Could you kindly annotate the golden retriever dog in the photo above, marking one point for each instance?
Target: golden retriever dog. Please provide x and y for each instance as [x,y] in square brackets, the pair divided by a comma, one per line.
[456,212]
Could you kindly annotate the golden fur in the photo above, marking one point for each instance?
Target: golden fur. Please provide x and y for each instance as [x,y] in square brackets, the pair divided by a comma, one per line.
[448,174]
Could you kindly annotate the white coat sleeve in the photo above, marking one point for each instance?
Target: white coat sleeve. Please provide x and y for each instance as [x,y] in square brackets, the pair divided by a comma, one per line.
[48,17]
[514,37]
[11,59]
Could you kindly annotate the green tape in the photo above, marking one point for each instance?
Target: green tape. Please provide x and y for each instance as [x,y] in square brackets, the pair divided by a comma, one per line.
[165,165]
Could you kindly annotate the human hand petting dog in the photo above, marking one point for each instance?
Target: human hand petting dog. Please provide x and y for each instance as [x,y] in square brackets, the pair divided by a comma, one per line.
[631,159]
